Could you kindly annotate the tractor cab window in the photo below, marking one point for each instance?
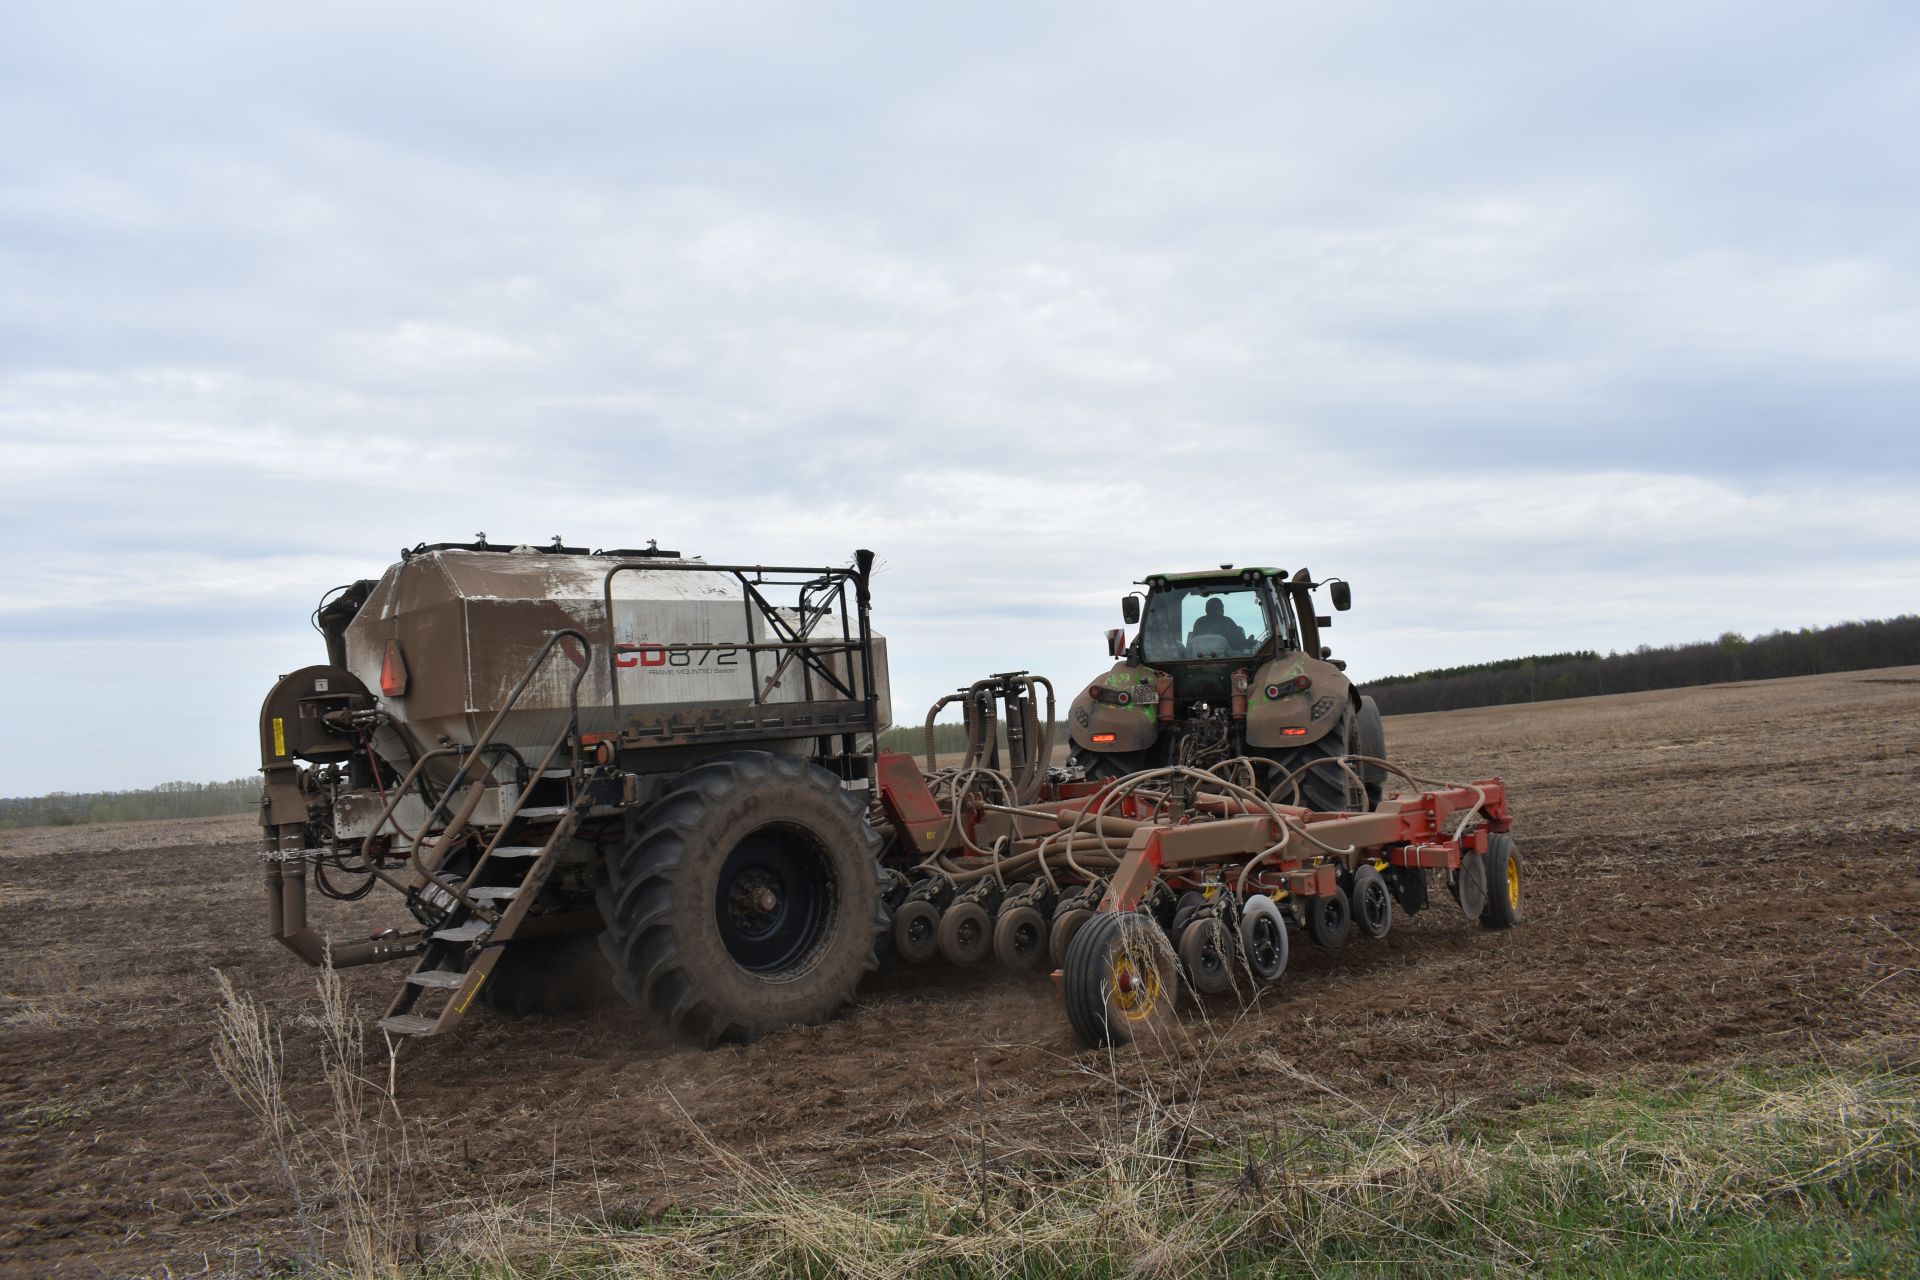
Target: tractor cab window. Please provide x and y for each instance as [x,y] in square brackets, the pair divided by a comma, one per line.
[1182,623]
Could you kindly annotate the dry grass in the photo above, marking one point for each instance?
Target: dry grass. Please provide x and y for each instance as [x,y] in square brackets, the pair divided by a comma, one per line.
[1630,1179]
[347,1167]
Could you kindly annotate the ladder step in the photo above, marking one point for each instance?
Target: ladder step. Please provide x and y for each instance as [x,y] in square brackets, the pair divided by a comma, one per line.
[441,978]
[493,892]
[467,932]
[559,771]
[409,1024]
[543,811]
[518,851]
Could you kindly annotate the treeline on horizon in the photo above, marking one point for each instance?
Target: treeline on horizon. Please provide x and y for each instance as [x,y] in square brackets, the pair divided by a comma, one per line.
[1845,646]
[168,800]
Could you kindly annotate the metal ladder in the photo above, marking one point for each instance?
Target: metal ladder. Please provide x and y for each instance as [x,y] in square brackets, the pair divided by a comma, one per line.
[462,950]
[466,943]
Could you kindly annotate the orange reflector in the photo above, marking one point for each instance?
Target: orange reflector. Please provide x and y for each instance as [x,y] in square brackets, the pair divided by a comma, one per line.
[1107,737]
[1294,733]
[393,671]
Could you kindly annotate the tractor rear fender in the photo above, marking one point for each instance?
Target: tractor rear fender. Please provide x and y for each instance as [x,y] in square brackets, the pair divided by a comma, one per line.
[1125,708]
[1295,700]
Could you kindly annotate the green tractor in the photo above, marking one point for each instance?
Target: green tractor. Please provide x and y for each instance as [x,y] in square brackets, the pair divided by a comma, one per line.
[1229,663]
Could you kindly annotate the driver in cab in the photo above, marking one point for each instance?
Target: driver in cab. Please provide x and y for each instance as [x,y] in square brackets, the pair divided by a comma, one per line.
[1215,622]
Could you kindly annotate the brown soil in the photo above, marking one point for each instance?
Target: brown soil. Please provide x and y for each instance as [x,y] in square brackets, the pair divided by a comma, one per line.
[1712,874]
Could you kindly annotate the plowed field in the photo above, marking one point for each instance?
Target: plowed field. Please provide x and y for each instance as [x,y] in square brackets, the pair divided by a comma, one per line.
[1711,874]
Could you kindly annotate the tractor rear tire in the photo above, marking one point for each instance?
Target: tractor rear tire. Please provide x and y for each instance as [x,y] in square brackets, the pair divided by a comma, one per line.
[1503,883]
[1371,739]
[745,899]
[1102,765]
[1324,788]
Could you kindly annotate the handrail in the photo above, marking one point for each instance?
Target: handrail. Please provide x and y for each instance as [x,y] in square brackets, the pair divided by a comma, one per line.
[571,738]
[813,654]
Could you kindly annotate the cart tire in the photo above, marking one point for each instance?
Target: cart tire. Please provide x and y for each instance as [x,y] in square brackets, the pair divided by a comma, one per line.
[1121,978]
[747,898]
[1020,938]
[966,933]
[1065,925]
[1372,903]
[1329,917]
[916,931]
[1263,939]
[1503,883]
[1206,953]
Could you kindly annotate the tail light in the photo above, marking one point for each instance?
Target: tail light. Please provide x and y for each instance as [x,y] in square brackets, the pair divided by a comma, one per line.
[393,670]
[1103,737]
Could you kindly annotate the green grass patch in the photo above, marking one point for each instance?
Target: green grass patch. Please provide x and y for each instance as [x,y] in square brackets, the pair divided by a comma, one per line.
[1758,1172]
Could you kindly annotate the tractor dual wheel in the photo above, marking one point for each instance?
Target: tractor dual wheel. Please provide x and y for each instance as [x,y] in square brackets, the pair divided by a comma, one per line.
[1503,883]
[1120,979]
[1020,938]
[747,898]
[1372,902]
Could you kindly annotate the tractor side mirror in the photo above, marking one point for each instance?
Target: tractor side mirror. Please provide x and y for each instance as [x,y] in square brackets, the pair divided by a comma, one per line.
[1116,642]
[1342,594]
[1130,609]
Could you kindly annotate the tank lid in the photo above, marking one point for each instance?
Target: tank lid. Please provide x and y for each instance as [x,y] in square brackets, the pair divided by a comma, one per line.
[553,547]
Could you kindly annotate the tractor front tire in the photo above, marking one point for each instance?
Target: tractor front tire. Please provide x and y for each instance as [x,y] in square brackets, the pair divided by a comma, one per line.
[745,899]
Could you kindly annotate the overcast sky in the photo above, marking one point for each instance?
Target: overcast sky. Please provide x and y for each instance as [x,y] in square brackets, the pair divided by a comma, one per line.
[1549,326]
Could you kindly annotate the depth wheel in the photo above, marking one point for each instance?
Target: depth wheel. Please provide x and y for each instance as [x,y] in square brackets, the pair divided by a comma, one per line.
[1121,978]
[1328,918]
[748,898]
[1263,939]
[916,931]
[1065,925]
[1020,939]
[1372,903]
[966,933]
[1503,883]
[1206,953]
[1470,885]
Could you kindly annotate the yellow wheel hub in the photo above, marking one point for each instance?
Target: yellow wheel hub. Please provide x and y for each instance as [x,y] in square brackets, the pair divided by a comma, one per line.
[1513,880]
[1135,988]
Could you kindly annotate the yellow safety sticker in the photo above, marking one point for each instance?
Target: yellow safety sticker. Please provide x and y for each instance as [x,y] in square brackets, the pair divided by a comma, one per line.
[472,991]
[279,736]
